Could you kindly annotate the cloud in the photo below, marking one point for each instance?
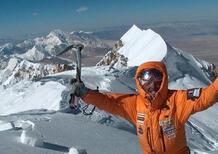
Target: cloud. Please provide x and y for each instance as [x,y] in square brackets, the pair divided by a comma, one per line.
[35,14]
[82,9]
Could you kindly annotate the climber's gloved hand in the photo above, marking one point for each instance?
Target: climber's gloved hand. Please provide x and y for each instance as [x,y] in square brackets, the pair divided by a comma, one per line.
[79,89]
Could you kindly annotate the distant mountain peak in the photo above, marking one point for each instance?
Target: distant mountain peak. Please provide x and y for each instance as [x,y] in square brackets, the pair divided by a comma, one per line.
[81,32]
[57,33]
[55,41]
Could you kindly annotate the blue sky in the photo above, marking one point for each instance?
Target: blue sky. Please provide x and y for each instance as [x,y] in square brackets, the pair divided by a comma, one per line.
[21,17]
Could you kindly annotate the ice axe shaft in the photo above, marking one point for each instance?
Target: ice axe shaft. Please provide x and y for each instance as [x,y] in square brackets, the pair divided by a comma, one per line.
[78,64]
[77,48]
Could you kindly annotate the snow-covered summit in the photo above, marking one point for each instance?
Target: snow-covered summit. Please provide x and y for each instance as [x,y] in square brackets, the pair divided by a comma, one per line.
[142,45]
[51,44]
[130,34]
[137,46]
[55,38]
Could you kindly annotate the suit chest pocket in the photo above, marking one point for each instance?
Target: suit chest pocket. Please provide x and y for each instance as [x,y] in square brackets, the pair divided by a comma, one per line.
[167,123]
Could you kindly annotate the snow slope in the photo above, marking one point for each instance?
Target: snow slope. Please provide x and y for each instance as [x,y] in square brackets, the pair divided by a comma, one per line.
[30,96]
[74,131]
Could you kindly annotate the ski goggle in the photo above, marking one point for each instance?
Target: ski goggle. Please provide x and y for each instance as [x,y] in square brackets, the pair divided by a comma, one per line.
[150,75]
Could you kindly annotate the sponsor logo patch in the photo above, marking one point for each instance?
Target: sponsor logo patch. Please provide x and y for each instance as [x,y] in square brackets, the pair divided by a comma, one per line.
[194,93]
[168,128]
[141,118]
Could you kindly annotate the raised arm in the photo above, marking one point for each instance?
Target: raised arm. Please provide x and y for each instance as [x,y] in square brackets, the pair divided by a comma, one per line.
[195,100]
[123,105]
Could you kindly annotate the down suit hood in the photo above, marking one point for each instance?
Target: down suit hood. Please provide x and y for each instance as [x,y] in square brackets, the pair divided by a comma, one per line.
[161,95]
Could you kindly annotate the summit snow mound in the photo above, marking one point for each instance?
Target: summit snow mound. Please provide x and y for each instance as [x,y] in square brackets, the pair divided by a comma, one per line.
[142,45]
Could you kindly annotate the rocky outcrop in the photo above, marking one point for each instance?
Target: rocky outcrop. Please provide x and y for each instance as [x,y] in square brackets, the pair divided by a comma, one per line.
[113,57]
[18,70]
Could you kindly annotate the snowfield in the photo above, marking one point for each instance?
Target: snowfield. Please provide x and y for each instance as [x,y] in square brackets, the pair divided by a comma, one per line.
[35,117]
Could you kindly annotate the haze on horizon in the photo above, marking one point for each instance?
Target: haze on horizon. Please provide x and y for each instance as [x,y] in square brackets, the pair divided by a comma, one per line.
[25,17]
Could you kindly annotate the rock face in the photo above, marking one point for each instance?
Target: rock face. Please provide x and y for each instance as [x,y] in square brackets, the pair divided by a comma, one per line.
[113,57]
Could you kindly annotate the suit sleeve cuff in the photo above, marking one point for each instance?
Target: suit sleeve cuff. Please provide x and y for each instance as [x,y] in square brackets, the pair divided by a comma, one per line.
[215,85]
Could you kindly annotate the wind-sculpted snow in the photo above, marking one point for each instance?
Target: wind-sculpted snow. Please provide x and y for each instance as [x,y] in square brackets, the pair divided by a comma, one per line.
[141,46]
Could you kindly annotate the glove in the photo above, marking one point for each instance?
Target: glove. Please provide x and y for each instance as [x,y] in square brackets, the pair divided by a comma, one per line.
[79,89]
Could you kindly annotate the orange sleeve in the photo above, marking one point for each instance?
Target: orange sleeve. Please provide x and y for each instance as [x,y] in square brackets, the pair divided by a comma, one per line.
[186,106]
[123,105]
[209,97]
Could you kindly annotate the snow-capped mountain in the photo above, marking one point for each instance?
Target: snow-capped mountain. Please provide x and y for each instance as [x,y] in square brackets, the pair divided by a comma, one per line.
[86,37]
[137,46]
[50,45]
[41,51]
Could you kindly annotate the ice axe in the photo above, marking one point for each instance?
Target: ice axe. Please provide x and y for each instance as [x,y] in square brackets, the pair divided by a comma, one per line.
[74,100]
[77,48]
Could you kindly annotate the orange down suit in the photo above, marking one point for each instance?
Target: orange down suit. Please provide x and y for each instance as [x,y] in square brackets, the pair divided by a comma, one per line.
[160,122]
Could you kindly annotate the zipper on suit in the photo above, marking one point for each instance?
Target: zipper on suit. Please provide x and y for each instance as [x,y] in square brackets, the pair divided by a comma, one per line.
[162,138]
[149,139]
